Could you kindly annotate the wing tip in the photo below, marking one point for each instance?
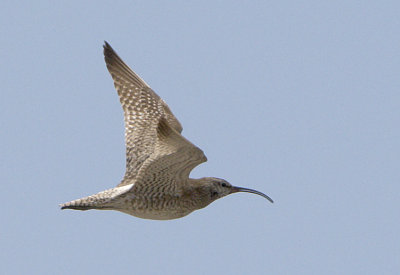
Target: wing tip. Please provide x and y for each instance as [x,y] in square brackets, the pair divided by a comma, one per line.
[108,51]
[114,62]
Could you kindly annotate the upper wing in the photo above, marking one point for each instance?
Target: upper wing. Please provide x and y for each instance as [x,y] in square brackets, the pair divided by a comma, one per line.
[170,164]
[143,109]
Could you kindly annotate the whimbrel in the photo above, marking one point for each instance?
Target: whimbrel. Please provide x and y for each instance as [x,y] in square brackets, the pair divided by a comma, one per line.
[159,159]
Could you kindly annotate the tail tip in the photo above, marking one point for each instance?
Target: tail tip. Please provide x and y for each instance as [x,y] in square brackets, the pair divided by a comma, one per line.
[63,206]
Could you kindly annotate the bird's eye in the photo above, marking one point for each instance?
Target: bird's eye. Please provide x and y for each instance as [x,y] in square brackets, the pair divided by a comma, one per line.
[224,184]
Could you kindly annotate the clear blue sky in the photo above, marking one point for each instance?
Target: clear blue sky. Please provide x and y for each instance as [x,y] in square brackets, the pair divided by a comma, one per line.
[298,99]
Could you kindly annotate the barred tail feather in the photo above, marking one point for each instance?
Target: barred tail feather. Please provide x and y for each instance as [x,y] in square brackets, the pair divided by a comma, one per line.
[91,202]
[103,200]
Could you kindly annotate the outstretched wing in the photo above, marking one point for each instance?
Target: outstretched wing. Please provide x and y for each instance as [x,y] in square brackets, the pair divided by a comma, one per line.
[143,109]
[169,165]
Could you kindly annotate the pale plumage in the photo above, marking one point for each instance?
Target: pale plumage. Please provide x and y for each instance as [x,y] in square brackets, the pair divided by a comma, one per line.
[159,159]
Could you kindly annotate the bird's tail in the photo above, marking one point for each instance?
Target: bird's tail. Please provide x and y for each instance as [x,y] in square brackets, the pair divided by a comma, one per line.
[102,200]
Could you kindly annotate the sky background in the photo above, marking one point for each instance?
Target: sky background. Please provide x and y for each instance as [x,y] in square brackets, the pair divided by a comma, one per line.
[297,99]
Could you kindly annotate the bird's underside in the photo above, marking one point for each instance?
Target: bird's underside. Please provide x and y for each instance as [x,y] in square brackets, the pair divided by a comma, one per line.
[159,159]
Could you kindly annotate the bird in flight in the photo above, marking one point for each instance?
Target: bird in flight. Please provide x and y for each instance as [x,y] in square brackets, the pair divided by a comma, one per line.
[159,159]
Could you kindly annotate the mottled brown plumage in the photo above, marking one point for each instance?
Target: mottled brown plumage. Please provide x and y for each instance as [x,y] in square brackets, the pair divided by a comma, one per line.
[159,159]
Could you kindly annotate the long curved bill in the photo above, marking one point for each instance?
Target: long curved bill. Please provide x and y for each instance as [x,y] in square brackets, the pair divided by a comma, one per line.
[248,190]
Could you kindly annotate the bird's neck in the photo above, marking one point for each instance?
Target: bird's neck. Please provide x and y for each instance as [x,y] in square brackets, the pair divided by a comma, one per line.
[197,191]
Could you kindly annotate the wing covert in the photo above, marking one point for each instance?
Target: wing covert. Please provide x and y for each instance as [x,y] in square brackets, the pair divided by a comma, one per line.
[170,164]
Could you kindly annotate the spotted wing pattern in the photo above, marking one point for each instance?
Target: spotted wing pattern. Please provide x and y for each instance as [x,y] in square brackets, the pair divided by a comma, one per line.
[169,165]
[144,110]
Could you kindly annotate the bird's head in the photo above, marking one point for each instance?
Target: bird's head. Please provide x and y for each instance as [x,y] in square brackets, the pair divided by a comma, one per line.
[219,188]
